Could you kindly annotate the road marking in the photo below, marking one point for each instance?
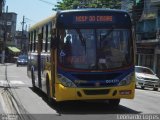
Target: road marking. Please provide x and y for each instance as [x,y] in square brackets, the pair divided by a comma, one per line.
[5,83]
[16,82]
[9,105]
[10,76]
[2,75]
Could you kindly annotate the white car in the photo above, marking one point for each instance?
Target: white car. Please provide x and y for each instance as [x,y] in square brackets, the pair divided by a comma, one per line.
[145,77]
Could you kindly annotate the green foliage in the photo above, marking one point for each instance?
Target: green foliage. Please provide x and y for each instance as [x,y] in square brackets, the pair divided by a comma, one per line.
[137,10]
[74,4]
[137,1]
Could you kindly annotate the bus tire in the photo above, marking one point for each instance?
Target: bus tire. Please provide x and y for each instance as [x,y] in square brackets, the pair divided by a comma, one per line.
[142,87]
[48,90]
[33,79]
[155,89]
[114,102]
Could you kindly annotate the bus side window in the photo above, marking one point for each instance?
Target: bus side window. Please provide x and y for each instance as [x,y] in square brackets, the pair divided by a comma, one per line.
[43,39]
[46,39]
[49,45]
[53,39]
[34,41]
[49,37]
[31,44]
[40,42]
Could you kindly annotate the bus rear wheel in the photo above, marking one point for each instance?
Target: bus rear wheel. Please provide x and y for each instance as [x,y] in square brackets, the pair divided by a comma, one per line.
[114,102]
[155,89]
[142,87]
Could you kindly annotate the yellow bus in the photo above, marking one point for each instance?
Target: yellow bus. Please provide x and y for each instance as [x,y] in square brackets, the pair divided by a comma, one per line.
[83,54]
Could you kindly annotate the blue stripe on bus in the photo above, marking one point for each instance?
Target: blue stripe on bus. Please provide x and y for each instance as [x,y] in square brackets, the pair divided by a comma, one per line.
[91,82]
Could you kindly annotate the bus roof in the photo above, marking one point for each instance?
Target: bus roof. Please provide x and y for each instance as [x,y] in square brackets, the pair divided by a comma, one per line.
[94,9]
[41,23]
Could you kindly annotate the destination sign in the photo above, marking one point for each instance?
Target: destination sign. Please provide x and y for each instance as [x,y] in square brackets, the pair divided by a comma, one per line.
[93,19]
[83,19]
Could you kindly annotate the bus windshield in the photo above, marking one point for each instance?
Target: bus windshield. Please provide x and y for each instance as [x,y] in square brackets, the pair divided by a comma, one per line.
[95,49]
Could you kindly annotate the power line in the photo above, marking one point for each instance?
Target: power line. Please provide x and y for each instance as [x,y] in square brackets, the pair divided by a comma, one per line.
[47,2]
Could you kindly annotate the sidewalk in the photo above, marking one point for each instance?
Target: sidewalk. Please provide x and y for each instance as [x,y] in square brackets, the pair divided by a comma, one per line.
[1,107]
[3,70]
[2,74]
[2,79]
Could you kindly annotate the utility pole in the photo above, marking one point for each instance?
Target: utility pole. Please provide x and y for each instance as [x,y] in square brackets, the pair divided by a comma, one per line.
[22,36]
[2,2]
[4,36]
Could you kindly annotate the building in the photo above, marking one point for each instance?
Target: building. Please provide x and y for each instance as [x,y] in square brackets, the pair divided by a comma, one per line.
[8,24]
[8,27]
[148,34]
[21,40]
[7,30]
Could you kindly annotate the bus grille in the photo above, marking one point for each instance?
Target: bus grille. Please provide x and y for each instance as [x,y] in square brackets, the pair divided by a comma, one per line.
[96,92]
[96,76]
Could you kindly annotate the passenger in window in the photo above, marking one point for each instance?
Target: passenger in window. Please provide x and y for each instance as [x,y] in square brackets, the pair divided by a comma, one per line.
[68,46]
[105,54]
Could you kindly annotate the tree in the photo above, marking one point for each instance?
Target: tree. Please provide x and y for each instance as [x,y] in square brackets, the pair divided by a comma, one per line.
[137,9]
[74,4]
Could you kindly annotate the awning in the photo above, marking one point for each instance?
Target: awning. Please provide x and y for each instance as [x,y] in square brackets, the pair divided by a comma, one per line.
[14,49]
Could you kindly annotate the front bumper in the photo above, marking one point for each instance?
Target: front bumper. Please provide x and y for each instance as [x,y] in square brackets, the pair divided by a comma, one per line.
[64,93]
[22,63]
[148,84]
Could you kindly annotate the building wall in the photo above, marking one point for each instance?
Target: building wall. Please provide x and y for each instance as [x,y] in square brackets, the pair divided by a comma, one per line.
[1,6]
[8,29]
[8,22]
[8,25]
[149,32]
[148,35]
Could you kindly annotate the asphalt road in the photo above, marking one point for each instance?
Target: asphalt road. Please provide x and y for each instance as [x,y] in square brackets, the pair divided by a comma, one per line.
[19,98]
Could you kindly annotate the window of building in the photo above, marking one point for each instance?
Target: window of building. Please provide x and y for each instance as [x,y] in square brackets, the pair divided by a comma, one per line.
[149,61]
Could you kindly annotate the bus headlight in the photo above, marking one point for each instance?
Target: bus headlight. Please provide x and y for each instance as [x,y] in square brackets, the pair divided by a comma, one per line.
[65,81]
[127,80]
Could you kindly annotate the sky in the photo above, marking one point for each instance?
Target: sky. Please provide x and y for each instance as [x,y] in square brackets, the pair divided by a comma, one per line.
[33,10]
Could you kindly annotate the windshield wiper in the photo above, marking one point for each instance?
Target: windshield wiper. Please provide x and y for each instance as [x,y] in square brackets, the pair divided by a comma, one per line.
[83,40]
[103,37]
[107,34]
